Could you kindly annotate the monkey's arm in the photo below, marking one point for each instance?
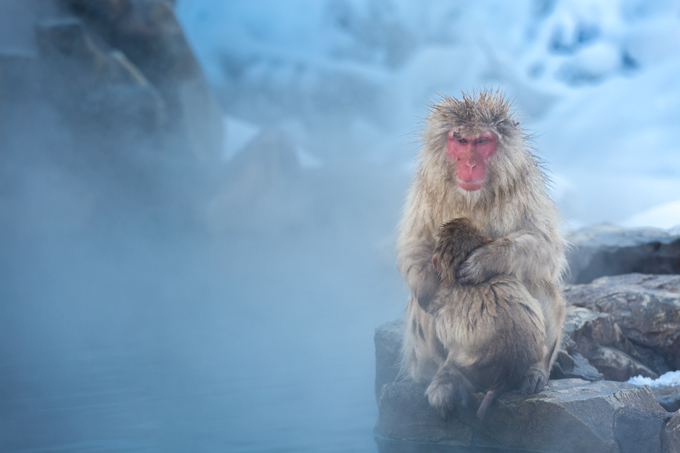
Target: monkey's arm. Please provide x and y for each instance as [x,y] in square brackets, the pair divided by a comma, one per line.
[526,254]
[415,265]
[415,246]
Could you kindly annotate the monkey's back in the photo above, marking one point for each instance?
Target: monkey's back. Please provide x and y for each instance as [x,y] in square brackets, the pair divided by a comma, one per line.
[495,330]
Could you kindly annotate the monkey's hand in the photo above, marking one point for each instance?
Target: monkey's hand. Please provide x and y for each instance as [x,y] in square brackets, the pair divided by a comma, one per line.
[449,389]
[484,263]
[426,287]
[533,381]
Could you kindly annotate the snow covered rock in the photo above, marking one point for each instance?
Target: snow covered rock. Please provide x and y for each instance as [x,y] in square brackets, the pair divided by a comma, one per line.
[666,389]
[610,250]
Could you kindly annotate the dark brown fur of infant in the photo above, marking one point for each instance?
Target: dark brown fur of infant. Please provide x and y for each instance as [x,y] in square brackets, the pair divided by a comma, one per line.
[488,334]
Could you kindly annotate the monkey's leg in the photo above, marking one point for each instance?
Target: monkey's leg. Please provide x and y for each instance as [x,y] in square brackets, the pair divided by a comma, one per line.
[538,374]
[448,389]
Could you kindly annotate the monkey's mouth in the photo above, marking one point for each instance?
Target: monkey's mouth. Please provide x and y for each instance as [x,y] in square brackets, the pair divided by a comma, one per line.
[470,186]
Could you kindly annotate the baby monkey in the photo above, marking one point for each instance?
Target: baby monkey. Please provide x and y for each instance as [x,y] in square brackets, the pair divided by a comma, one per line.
[487,335]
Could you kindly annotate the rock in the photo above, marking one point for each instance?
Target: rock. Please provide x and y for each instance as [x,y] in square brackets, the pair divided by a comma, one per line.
[617,328]
[668,397]
[632,324]
[598,416]
[263,189]
[571,415]
[573,366]
[639,430]
[150,36]
[603,250]
[66,42]
[405,414]
[671,435]
[111,92]
[597,338]
[387,353]
[119,75]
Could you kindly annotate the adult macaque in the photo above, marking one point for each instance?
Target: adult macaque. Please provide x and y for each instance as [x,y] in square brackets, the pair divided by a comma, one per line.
[489,334]
[474,163]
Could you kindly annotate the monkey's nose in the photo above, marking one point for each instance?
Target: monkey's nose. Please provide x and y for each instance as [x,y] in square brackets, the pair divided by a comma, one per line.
[471,164]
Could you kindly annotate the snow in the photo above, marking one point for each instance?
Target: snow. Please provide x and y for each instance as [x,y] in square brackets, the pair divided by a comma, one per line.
[670,379]
[664,216]
[351,80]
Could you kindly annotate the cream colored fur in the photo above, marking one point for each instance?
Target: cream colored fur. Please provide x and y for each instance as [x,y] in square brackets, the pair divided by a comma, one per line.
[512,207]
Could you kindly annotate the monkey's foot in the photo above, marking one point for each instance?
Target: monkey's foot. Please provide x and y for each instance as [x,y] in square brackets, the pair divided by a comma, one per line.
[448,390]
[533,381]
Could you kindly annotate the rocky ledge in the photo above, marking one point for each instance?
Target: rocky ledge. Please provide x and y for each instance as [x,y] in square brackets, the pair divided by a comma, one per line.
[617,328]
[604,249]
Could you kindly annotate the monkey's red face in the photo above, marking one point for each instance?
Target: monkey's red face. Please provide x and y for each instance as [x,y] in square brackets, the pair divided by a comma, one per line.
[469,155]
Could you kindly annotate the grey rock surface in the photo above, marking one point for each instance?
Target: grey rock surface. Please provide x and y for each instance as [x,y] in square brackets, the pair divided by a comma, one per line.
[639,430]
[616,328]
[388,340]
[572,365]
[603,250]
[571,415]
[671,434]
[626,325]
[116,75]
[106,91]
[668,397]
[598,339]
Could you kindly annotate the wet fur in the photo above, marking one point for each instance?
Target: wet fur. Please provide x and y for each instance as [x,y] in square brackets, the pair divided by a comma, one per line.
[491,332]
[512,208]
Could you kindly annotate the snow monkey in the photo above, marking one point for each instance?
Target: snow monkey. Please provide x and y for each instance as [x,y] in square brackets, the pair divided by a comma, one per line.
[488,334]
[475,163]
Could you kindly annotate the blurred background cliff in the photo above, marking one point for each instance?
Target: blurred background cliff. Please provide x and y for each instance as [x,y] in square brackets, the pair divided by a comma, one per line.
[198,198]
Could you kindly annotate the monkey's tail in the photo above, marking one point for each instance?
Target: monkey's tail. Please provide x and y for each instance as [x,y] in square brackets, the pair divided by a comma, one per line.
[486,402]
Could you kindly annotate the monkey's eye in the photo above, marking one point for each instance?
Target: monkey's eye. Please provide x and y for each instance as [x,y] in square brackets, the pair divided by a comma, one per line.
[481,141]
[462,140]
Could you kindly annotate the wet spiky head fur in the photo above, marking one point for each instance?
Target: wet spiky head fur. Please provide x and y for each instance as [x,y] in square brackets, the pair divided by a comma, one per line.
[486,110]
[513,164]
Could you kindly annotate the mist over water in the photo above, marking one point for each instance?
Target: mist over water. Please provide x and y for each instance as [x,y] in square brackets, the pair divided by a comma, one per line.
[136,328]
[153,300]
